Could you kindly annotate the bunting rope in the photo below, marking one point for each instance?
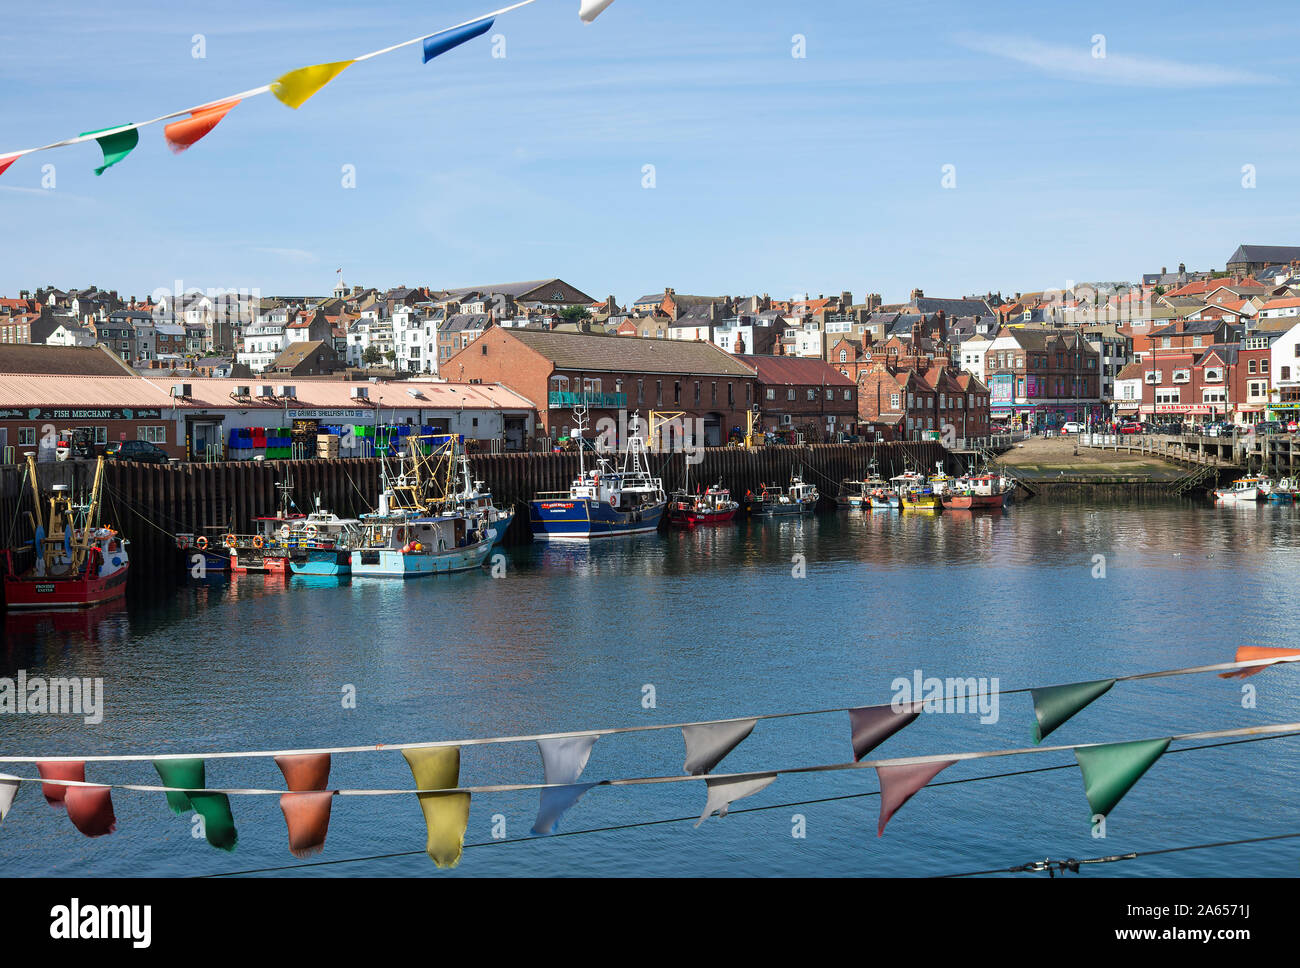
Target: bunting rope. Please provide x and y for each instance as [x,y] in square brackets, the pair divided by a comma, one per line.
[1218,667]
[292,89]
[1273,730]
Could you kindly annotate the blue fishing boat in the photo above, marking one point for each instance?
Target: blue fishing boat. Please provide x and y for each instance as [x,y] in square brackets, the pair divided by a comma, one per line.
[321,543]
[604,502]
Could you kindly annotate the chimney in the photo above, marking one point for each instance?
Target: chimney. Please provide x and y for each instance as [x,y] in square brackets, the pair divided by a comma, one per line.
[916,294]
[1164,271]
[739,348]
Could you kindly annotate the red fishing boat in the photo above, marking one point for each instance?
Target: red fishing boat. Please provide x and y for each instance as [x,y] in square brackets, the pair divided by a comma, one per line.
[79,562]
[974,493]
[714,506]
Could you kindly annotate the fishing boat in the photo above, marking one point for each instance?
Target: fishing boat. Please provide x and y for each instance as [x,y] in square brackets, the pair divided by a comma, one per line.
[1242,490]
[853,495]
[915,492]
[603,502]
[796,499]
[475,501]
[981,491]
[883,497]
[265,551]
[321,543]
[79,562]
[199,549]
[940,483]
[1282,491]
[713,506]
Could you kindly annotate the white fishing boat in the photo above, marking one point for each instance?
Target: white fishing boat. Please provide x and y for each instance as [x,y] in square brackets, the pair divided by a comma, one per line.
[1242,490]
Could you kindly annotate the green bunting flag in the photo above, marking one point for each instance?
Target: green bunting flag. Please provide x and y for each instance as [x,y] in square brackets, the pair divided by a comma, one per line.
[115,146]
[1110,771]
[1053,705]
[190,776]
[186,774]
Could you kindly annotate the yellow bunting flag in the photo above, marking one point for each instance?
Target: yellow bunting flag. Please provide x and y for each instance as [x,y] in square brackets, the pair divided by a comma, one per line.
[297,86]
[445,814]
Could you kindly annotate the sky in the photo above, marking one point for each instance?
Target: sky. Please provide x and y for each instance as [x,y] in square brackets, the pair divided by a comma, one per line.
[772,173]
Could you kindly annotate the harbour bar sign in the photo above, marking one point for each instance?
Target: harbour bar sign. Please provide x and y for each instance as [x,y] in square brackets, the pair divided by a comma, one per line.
[67,413]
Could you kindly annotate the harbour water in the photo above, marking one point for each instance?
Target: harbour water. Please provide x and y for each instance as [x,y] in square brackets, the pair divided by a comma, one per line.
[719,624]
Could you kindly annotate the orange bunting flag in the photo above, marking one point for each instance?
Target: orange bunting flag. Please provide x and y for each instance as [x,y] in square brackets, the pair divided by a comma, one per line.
[297,86]
[1250,653]
[182,134]
[59,770]
[90,808]
[307,809]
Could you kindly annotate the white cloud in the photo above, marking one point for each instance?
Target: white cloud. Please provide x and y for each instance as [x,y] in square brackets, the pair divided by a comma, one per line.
[1078,64]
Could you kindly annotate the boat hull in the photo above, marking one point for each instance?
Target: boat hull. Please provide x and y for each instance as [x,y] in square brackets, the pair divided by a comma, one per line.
[922,502]
[580,519]
[393,563]
[323,563]
[693,519]
[29,593]
[786,510]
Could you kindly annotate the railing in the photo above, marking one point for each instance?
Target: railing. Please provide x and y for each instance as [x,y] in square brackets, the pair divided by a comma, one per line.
[604,401]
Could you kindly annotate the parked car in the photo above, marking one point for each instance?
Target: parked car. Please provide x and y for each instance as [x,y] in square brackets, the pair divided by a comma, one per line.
[1072,427]
[137,450]
[1130,428]
[1268,427]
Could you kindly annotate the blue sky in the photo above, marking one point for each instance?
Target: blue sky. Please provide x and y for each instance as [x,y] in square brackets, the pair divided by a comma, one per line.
[772,173]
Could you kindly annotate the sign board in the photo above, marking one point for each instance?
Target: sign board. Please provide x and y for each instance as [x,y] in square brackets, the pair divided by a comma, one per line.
[70,413]
[366,415]
[1000,388]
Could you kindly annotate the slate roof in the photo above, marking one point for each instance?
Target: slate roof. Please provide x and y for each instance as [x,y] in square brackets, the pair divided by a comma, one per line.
[1269,254]
[795,371]
[33,358]
[581,351]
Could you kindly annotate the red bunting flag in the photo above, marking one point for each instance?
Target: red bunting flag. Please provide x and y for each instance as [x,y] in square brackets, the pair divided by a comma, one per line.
[5,163]
[182,134]
[59,770]
[898,784]
[307,809]
[1249,653]
[90,808]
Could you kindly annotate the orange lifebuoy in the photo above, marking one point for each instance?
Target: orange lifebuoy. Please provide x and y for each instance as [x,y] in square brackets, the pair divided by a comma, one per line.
[613,500]
[180,542]
[201,542]
[230,541]
[258,541]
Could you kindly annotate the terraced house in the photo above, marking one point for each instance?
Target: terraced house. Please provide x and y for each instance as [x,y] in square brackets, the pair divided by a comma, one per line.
[1043,377]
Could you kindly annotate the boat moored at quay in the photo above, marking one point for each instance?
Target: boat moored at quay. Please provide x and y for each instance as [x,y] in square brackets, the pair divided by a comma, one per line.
[604,502]
[79,562]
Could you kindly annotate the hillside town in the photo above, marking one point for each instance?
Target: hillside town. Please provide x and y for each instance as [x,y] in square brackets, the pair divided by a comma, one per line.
[222,375]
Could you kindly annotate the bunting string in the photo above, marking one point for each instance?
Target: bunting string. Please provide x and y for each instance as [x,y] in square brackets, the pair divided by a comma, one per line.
[1242,666]
[1278,730]
[292,89]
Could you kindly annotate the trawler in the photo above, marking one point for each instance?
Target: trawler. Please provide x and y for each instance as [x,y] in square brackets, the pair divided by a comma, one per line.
[603,502]
[798,498]
[79,562]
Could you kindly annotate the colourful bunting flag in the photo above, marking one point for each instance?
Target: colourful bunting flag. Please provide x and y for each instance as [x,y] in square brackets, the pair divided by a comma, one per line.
[563,761]
[218,821]
[183,774]
[6,162]
[1053,705]
[190,776]
[8,790]
[726,790]
[446,815]
[297,86]
[182,134]
[898,784]
[591,9]
[442,42]
[115,146]
[307,809]
[59,770]
[872,725]
[90,808]
[1110,771]
[1250,653]
[707,745]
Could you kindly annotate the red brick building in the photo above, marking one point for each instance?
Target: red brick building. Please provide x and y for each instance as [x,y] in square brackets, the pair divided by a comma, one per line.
[614,376]
[804,394]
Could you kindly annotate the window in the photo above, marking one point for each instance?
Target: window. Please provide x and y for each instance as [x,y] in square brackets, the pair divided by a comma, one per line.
[26,436]
[789,394]
[1286,373]
[812,394]
[677,391]
[830,394]
[1250,366]
[1168,396]
[844,356]
[101,435]
[1196,341]
[1164,342]
[697,391]
[1182,376]
[894,400]
[715,392]
[848,395]
[154,435]
[640,391]
[1263,365]
[771,393]
[659,392]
